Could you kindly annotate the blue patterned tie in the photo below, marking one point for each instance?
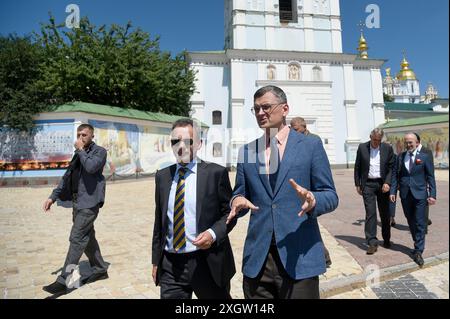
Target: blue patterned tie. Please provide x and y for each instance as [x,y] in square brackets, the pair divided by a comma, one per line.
[179,235]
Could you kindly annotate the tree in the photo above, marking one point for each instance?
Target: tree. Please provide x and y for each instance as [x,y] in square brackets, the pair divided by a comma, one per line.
[113,65]
[387,98]
[19,69]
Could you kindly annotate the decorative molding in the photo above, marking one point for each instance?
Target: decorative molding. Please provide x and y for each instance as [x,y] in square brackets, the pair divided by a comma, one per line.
[198,104]
[224,58]
[234,102]
[294,83]
[353,141]
[200,58]
[378,106]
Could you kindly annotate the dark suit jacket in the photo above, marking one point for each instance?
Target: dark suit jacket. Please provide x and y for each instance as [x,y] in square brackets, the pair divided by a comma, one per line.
[212,209]
[362,164]
[428,152]
[420,181]
[91,186]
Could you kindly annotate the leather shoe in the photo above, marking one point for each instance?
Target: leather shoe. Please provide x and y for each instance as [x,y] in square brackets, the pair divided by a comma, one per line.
[418,259]
[387,244]
[95,277]
[429,222]
[55,288]
[371,250]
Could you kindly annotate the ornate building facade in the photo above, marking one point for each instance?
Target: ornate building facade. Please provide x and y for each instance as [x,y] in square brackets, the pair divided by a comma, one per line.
[296,45]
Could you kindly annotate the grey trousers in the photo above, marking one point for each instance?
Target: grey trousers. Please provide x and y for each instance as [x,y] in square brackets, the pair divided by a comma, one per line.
[82,240]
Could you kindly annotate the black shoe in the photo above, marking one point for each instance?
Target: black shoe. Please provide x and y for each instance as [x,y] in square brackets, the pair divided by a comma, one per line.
[418,259]
[96,277]
[371,250]
[55,288]
[328,263]
[429,222]
[392,222]
[387,244]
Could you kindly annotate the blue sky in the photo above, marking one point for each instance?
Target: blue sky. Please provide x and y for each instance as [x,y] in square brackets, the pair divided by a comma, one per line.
[416,26]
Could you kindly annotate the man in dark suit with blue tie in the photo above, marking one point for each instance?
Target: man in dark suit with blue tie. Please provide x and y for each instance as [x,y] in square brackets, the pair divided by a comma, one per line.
[285,179]
[191,251]
[415,180]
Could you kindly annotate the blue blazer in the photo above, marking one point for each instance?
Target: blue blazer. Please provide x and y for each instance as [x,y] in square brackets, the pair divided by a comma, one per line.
[298,238]
[420,181]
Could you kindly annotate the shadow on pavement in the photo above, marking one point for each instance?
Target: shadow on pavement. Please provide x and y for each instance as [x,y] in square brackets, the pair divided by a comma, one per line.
[361,244]
[85,271]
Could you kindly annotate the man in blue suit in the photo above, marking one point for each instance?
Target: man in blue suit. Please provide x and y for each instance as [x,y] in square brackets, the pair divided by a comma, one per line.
[285,179]
[414,177]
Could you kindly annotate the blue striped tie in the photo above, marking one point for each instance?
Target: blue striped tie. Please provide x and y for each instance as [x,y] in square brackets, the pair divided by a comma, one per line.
[179,235]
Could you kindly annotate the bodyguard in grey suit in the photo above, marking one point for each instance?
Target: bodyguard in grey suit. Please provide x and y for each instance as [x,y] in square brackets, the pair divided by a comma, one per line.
[84,185]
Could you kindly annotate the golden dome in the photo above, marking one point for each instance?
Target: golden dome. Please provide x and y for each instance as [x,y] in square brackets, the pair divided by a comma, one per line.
[405,72]
[363,48]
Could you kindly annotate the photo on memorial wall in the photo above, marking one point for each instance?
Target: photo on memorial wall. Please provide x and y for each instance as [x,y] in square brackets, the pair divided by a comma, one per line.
[48,146]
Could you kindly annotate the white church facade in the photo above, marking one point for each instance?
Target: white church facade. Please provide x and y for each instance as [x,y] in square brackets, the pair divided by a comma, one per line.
[297,46]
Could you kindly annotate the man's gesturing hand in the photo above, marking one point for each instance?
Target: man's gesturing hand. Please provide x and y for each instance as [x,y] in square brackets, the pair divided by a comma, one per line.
[306,196]
[238,204]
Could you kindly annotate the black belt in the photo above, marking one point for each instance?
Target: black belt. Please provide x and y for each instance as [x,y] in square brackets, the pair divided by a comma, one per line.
[375,180]
[191,254]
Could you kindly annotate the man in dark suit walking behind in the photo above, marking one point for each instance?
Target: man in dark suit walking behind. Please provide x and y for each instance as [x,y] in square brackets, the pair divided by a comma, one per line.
[84,185]
[191,251]
[373,172]
[414,177]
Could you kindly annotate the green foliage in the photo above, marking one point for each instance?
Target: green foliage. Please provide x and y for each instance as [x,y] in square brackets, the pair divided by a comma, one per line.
[19,69]
[387,98]
[114,65]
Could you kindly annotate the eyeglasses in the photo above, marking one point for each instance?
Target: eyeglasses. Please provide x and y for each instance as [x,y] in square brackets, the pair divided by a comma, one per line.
[186,141]
[265,107]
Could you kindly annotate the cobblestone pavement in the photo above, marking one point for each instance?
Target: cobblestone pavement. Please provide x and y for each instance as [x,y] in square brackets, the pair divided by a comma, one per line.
[33,245]
[429,283]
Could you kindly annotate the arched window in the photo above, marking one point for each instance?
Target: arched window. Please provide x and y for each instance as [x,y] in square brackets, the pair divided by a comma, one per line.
[217,117]
[217,150]
[317,74]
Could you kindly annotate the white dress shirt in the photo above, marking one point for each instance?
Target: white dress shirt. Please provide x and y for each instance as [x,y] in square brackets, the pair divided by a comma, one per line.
[190,209]
[406,160]
[374,168]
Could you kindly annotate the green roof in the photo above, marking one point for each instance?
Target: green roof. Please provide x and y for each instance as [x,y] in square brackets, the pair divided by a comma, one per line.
[118,112]
[412,107]
[417,121]
[209,52]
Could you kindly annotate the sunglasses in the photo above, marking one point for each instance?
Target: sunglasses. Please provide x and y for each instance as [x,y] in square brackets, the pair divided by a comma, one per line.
[186,141]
